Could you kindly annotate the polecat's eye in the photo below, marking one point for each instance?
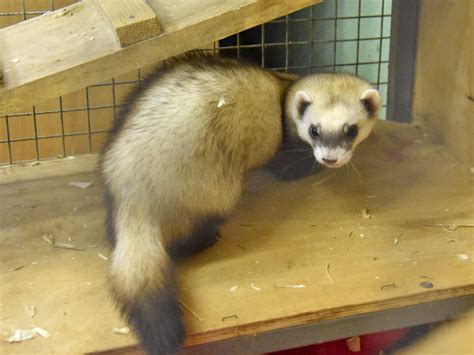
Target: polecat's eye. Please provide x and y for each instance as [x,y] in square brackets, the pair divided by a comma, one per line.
[314,131]
[351,131]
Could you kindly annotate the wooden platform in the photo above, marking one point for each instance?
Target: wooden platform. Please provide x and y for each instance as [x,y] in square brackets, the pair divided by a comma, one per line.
[79,46]
[293,254]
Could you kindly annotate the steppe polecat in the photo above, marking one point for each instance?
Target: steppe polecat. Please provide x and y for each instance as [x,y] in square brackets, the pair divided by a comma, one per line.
[176,159]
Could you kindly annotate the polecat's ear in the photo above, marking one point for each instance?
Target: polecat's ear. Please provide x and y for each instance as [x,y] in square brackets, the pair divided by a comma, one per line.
[302,101]
[371,101]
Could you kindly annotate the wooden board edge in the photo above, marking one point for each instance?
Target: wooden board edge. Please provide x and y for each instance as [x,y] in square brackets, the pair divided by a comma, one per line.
[133,20]
[311,317]
[47,168]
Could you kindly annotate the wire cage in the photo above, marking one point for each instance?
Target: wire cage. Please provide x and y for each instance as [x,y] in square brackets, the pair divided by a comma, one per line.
[335,36]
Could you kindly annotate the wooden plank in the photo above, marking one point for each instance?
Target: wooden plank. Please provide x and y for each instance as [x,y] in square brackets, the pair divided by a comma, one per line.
[133,20]
[328,330]
[80,49]
[282,234]
[323,331]
[445,103]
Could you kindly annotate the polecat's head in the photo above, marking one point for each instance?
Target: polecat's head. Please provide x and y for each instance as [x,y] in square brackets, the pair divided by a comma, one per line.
[333,113]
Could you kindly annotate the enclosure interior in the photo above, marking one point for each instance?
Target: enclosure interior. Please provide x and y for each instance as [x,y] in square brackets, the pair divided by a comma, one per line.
[350,242]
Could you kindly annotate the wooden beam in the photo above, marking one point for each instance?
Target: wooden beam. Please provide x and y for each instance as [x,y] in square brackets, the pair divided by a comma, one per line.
[133,20]
[79,48]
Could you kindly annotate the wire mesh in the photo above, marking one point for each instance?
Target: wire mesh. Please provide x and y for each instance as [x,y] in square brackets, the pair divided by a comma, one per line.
[335,36]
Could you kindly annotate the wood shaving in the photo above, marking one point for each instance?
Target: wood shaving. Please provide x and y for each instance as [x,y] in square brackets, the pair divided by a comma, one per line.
[63,12]
[102,256]
[463,257]
[329,274]
[255,287]
[91,38]
[30,310]
[234,288]
[80,184]
[51,241]
[365,213]
[41,331]
[221,101]
[396,241]
[73,36]
[292,286]
[15,60]
[21,335]
[353,344]
[123,330]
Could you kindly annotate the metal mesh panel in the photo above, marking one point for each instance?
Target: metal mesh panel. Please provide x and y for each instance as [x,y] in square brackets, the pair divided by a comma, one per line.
[337,35]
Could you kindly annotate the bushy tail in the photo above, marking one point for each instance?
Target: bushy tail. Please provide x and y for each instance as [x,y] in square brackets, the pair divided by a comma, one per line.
[143,284]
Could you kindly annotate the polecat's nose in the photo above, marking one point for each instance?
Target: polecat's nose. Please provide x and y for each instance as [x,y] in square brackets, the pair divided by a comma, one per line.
[330,161]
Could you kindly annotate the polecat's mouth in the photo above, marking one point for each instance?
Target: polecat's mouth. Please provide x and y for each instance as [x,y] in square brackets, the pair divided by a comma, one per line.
[333,165]
[332,158]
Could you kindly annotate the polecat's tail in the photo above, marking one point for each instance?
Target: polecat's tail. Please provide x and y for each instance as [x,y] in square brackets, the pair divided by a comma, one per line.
[142,282]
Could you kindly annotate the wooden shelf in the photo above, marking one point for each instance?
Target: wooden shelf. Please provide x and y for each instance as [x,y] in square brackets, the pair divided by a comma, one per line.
[307,233]
[69,49]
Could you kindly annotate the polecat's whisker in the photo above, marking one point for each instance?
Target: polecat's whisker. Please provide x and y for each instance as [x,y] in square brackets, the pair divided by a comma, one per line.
[296,161]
